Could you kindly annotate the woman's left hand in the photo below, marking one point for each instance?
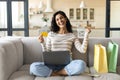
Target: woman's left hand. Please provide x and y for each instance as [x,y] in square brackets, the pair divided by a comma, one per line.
[88,30]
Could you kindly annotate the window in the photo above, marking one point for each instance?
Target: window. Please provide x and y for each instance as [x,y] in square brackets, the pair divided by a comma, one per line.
[112,18]
[14,17]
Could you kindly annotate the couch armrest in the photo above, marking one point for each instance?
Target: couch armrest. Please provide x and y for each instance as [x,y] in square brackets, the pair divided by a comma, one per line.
[8,59]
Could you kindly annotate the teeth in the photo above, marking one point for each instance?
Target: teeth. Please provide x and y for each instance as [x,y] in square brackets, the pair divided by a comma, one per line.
[61,23]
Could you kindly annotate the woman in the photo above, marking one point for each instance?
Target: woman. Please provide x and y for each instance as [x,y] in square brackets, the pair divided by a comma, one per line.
[61,38]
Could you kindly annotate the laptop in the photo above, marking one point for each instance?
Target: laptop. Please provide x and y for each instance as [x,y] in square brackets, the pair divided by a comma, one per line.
[56,57]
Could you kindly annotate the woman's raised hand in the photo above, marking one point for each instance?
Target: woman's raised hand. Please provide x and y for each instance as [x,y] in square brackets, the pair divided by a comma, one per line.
[40,38]
[88,29]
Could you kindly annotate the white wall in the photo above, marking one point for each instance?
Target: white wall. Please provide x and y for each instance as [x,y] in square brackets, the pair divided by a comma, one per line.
[98,5]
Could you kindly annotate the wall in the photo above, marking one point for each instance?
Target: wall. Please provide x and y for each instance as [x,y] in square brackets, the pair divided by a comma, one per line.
[98,22]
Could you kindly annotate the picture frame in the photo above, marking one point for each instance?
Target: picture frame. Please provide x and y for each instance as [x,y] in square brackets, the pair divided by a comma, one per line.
[71,13]
[85,14]
[78,14]
[82,14]
[91,13]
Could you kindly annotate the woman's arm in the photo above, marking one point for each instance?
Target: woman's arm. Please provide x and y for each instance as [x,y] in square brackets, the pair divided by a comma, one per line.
[41,40]
[82,47]
[48,42]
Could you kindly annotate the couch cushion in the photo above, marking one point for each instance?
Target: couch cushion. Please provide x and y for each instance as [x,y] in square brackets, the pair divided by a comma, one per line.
[50,78]
[32,50]
[105,76]
[25,67]
[92,70]
[21,75]
[79,77]
[108,76]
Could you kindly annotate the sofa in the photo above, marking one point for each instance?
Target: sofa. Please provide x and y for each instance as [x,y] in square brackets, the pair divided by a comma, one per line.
[17,53]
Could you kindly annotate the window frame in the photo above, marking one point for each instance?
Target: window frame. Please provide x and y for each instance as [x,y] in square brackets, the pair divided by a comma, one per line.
[108,27]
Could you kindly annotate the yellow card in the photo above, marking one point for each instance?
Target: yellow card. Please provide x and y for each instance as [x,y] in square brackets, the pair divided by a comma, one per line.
[44,34]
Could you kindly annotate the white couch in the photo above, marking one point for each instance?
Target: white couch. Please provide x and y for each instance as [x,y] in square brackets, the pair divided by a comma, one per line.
[16,55]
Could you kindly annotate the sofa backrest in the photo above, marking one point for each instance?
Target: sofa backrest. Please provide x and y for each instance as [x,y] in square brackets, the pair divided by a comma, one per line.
[32,50]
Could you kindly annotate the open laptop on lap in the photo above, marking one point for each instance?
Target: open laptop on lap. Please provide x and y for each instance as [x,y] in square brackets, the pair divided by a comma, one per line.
[56,57]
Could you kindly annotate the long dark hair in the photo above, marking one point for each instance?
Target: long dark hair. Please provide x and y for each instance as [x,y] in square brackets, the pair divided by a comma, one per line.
[54,26]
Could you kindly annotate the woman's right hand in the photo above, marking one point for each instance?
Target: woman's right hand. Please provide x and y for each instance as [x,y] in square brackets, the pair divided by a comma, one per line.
[41,39]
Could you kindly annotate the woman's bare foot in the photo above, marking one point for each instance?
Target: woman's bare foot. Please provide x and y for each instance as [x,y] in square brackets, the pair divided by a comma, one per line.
[59,73]
[62,72]
[54,74]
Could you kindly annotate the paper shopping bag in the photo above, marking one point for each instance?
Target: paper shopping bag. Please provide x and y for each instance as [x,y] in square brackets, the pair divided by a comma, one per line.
[112,55]
[100,59]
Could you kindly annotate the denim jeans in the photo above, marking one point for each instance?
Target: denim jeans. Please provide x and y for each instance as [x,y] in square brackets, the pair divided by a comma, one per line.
[73,68]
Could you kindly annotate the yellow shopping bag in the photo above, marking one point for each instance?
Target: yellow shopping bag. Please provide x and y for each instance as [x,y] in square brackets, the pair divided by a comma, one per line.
[100,59]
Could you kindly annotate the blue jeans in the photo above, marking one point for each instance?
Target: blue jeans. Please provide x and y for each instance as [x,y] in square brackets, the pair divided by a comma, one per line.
[73,68]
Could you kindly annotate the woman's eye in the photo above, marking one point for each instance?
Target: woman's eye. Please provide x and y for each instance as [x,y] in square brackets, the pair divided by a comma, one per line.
[57,19]
[61,17]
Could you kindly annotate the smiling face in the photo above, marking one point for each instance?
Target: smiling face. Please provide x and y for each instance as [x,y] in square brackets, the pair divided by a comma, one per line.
[60,20]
